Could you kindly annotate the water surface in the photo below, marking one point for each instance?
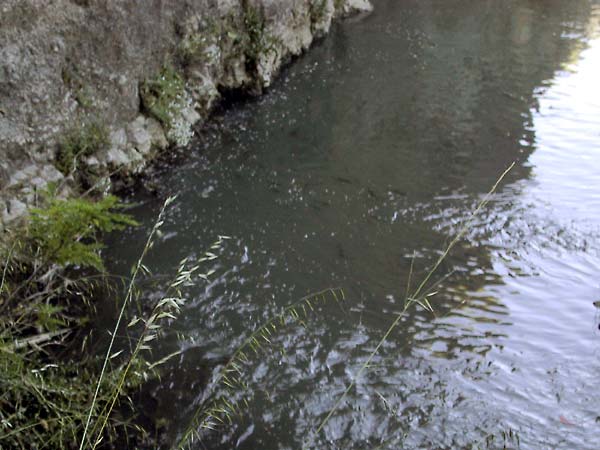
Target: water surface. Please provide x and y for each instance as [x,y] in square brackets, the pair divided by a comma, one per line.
[367,156]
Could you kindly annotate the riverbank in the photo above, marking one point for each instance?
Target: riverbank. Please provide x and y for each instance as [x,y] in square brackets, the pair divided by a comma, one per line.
[90,96]
[90,93]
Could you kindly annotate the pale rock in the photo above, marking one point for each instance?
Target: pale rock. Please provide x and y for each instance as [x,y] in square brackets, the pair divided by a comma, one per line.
[13,210]
[50,173]
[157,134]
[139,136]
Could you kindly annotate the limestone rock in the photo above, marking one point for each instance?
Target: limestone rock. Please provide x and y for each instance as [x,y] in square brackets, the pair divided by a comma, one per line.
[139,136]
[66,62]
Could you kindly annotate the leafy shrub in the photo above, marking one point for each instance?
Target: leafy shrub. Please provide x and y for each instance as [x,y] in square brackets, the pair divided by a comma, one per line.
[65,232]
[44,397]
[42,276]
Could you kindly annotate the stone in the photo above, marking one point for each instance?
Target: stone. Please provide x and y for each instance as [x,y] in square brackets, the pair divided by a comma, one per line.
[50,173]
[117,157]
[13,210]
[118,139]
[23,175]
[67,62]
[157,134]
[139,136]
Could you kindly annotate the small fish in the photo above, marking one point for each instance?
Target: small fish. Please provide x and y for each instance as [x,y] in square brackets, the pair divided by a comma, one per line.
[565,421]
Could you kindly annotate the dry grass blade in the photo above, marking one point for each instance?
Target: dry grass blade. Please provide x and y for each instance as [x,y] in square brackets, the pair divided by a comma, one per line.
[223,409]
[128,296]
[415,297]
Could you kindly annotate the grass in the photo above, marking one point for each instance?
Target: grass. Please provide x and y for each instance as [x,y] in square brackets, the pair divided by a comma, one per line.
[163,311]
[43,403]
[82,141]
[220,410]
[418,297]
[46,296]
[318,11]
[163,96]
[338,4]
[257,41]
[52,394]
[109,405]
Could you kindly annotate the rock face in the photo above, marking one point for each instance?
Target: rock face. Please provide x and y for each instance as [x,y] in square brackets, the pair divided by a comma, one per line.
[142,71]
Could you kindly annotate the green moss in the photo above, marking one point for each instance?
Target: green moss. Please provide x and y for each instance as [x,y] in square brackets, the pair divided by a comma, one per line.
[80,142]
[192,49]
[84,97]
[163,97]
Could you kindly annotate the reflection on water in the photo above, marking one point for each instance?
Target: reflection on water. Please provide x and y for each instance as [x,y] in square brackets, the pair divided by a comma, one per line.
[368,154]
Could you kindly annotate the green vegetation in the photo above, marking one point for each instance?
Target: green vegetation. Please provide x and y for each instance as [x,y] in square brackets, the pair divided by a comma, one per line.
[163,97]
[72,79]
[256,41]
[61,235]
[318,10]
[53,398]
[420,296]
[222,408]
[192,49]
[82,141]
[65,232]
[43,404]
[54,394]
[46,295]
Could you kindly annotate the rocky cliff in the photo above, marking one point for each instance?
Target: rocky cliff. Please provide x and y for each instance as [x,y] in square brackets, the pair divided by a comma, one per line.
[94,88]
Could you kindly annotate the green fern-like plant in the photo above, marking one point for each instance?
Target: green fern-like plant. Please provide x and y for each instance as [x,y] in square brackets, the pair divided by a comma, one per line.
[65,231]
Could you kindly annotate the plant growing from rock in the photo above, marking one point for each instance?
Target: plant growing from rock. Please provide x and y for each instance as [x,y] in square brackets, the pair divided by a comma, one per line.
[164,97]
[65,232]
[200,43]
[60,235]
[338,4]
[81,142]
[257,41]
[318,11]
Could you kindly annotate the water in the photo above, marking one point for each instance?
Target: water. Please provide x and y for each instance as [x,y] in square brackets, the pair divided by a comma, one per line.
[369,153]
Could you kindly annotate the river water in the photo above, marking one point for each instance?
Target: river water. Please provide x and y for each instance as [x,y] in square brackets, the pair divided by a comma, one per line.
[366,156]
